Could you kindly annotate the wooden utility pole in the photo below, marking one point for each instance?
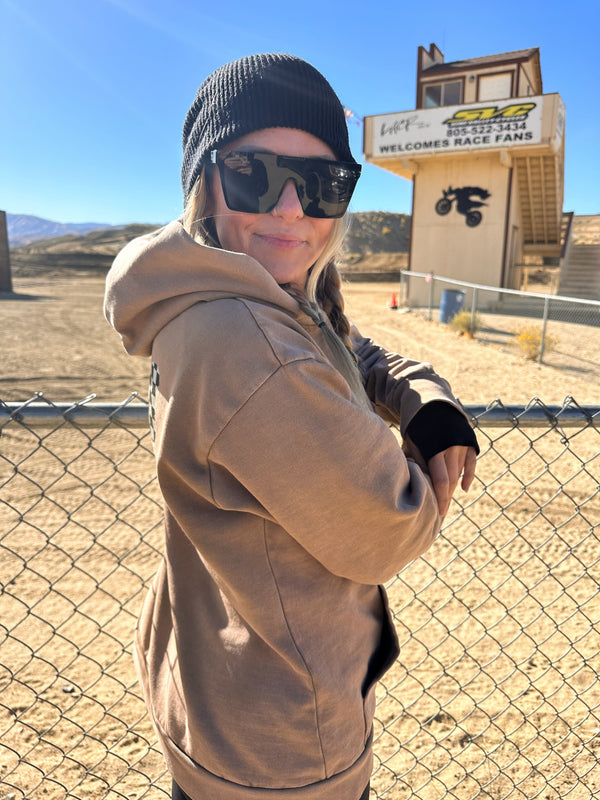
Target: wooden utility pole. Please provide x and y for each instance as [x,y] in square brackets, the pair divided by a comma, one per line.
[5,275]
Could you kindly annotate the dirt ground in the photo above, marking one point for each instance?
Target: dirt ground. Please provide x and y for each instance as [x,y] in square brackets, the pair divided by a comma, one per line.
[495,694]
[56,341]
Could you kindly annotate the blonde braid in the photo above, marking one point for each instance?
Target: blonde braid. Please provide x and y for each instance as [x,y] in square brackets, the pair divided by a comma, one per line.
[331,300]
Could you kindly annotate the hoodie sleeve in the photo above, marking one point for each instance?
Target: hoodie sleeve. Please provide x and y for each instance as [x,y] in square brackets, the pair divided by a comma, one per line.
[398,387]
[327,471]
[411,395]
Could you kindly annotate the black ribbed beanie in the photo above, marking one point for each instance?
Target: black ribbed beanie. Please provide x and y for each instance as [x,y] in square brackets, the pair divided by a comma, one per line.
[270,90]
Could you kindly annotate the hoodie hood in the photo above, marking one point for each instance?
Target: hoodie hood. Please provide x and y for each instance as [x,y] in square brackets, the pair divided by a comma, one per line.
[158,276]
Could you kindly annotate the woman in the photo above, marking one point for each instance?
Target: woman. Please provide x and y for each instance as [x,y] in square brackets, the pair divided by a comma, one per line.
[288,500]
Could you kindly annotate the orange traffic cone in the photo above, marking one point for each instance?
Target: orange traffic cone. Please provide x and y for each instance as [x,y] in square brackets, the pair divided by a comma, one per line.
[393,304]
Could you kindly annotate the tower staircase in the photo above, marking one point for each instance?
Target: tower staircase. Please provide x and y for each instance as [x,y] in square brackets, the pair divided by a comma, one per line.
[539,183]
[580,274]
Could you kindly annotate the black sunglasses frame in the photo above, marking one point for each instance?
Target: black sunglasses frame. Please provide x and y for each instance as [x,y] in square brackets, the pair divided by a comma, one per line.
[252,182]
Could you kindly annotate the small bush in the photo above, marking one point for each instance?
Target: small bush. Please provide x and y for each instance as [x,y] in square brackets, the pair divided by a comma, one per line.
[463,323]
[529,339]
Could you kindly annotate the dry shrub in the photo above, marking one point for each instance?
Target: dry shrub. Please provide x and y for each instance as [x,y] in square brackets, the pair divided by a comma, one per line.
[465,323]
[529,339]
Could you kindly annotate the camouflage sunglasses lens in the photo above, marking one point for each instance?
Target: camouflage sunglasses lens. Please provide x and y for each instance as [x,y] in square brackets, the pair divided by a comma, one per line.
[252,182]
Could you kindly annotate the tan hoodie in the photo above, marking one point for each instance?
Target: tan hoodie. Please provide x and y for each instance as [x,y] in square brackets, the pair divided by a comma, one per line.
[287,504]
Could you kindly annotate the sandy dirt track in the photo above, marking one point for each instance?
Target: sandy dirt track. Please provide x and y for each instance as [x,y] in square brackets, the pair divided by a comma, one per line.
[57,341]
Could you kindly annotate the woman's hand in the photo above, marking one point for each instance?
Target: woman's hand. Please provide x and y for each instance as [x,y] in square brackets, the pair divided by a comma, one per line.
[445,470]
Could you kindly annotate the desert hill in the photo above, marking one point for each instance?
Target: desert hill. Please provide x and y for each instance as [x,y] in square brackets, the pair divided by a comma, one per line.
[93,251]
[377,232]
[376,237]
[586,229]
[376,246]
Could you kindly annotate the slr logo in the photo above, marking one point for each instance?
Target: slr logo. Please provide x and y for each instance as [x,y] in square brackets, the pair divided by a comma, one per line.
[491,112]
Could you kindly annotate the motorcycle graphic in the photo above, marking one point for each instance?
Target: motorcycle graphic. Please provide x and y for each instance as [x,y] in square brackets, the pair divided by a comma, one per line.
[464,204]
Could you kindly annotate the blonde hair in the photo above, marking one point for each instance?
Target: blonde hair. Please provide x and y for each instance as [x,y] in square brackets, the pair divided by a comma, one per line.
[324,285]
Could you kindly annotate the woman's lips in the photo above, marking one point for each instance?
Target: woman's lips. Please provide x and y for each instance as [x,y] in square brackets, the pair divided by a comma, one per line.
[285,242]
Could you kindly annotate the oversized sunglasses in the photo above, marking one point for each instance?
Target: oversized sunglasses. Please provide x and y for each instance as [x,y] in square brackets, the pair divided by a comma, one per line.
[252,182]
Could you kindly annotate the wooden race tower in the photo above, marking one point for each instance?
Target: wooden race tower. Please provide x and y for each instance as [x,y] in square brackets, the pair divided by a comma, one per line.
[484,148]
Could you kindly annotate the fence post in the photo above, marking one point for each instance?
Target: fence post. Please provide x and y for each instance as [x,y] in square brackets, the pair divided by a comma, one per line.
[544,323]
[473,310]
[403,290]
[5,274]
[430,279]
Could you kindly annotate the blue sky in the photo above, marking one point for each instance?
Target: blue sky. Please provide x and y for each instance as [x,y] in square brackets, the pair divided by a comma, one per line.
[94,92]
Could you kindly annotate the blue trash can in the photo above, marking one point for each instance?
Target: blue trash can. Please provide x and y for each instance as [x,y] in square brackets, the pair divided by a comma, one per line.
[452,302]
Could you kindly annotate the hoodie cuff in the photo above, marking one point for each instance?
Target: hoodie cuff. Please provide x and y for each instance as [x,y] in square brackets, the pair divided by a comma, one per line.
[438,426]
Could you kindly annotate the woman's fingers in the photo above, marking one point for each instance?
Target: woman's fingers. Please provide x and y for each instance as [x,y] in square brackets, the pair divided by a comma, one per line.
[438,472]
[469,469]
[445,470]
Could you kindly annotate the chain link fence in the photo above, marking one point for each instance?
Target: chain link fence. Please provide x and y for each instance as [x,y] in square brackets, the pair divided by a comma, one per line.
[551,324]
[495,694]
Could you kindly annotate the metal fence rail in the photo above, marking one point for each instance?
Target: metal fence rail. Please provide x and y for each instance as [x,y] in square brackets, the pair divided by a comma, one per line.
[496,691]
[495,302]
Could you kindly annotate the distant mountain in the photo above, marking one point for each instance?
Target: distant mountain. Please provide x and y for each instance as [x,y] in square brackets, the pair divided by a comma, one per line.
[24,228]
[93,251]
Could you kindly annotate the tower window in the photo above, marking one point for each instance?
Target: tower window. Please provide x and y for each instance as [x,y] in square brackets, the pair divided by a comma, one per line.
[443,94]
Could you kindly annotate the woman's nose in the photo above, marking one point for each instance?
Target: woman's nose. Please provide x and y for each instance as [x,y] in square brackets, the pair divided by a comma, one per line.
[288,205]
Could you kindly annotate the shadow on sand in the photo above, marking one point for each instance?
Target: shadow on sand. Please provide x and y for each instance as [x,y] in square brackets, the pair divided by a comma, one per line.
[20,296]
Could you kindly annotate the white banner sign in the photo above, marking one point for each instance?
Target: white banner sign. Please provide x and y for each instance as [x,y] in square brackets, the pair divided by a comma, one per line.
[499,123]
